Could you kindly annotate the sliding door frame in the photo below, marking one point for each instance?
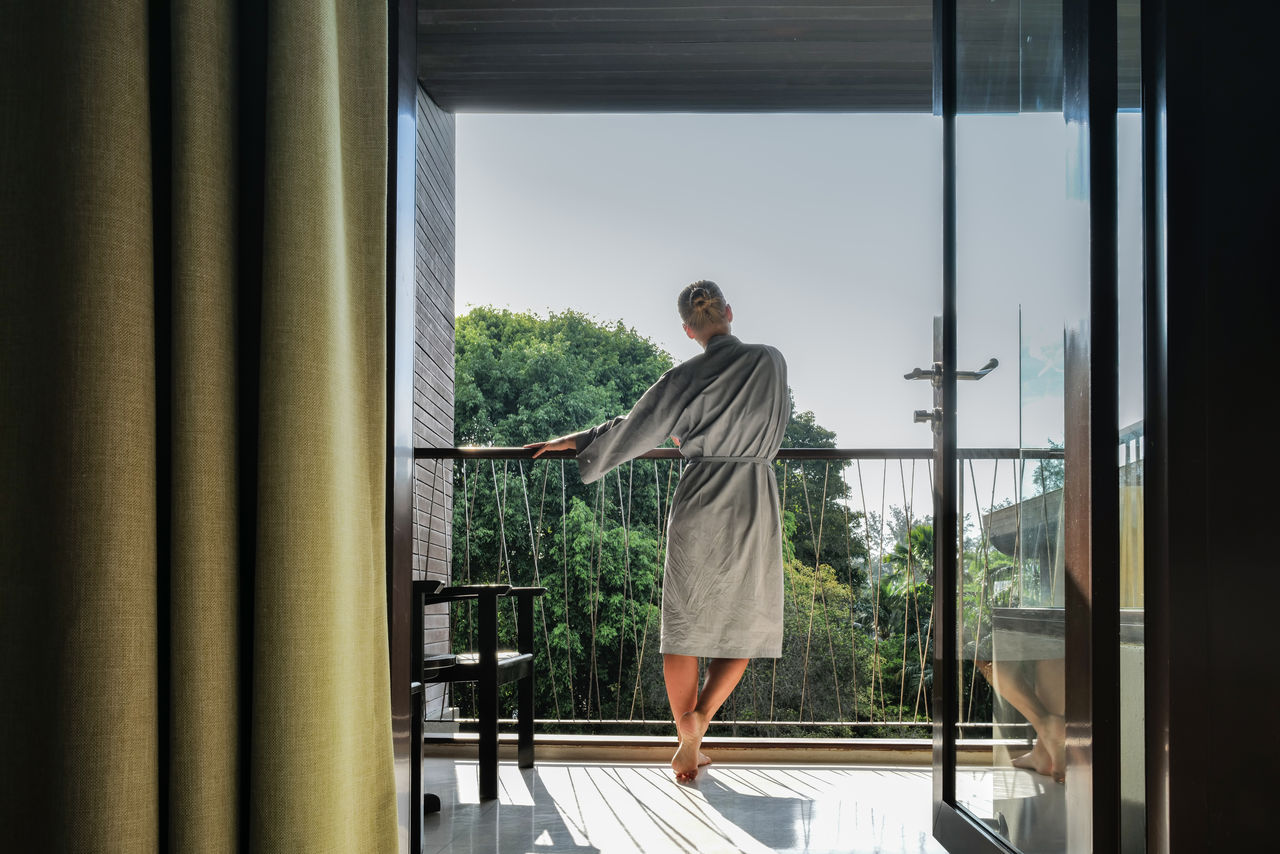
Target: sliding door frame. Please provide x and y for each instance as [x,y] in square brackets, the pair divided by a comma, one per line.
[402,114]
[1091,477]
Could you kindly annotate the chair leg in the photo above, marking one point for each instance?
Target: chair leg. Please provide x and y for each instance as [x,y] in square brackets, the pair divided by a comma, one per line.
[487,696]
[524,753]
[488,714]
[415,769]
[524,629]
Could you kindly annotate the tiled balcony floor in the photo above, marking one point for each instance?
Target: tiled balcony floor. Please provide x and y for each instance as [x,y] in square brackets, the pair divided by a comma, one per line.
[638,807]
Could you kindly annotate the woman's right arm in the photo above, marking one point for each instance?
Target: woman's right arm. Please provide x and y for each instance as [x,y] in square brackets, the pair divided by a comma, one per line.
[612,442]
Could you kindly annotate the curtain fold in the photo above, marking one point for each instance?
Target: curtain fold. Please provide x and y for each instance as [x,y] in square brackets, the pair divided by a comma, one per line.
[204,729]
[192,427]
[322,432]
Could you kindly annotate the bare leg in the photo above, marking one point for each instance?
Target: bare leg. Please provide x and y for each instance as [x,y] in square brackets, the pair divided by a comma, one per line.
[1051,688]
[1048,757]
[681,674]
[694,710]
[1051,684]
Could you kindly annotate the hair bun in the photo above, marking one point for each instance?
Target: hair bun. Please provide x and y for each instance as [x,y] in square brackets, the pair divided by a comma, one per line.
[701,304]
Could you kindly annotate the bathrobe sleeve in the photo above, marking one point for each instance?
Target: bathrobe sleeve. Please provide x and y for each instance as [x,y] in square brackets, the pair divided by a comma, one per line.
[649,423]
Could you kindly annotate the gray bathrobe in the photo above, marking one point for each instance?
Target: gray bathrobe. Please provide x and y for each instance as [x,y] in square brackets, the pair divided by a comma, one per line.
[728,407]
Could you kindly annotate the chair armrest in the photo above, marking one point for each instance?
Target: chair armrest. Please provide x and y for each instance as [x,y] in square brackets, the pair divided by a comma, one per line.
[527,591]
[470,591]
[463,592]
[427,586]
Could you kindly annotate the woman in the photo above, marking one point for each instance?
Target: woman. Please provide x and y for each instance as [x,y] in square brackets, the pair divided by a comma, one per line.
[727,410]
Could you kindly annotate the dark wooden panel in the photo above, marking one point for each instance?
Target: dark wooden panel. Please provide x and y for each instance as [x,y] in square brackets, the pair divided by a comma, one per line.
[437,409]
[434,369]
[437,345]
[432,430]
[435,419]
[436,185]
[433,363]
[435,377]
[435,357]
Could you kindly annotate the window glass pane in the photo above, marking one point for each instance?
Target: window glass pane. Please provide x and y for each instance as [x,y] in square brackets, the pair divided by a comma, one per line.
[1022,293]
[1130,424]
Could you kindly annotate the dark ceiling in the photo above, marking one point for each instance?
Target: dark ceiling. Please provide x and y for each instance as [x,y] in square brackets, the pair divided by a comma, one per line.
[751,55]
[591,55]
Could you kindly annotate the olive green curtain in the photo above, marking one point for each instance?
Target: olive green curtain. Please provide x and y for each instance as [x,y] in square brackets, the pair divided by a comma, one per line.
[193,642]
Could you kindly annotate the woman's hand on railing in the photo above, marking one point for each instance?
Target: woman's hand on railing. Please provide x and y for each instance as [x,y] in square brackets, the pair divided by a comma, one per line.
[564,443]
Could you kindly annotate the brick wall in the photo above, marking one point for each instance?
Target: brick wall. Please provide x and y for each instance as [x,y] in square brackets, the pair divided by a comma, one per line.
[433,368]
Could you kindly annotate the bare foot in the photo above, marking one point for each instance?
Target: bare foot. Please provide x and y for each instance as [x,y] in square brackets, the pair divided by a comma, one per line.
[703,759]
[688,756]
[1036,759]
[1048,757]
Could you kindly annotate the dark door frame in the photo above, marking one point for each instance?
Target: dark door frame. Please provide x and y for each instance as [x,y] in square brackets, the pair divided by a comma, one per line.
[402,100]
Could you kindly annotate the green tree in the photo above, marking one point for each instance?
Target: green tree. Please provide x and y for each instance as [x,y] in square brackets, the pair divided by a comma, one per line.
[520,378]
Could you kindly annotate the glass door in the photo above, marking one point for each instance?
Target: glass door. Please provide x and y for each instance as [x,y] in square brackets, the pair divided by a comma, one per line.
[1022,282]
[1026,663]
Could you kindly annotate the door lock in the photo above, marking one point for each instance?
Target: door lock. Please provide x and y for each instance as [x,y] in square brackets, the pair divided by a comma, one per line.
[925,416]
[933,374]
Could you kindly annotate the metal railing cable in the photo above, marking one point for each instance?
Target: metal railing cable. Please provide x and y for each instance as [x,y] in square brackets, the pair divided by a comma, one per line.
[610,556]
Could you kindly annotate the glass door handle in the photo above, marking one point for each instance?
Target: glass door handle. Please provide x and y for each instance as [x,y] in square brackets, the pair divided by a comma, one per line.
[934,373]
[990,366]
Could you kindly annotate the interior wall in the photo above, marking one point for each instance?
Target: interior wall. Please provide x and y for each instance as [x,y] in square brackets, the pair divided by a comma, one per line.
[433,368]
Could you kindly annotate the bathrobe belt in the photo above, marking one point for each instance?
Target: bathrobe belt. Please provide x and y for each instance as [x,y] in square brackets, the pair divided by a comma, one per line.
[764,461]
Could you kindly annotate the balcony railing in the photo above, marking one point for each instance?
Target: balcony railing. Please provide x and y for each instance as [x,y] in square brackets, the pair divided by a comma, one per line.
[858,635]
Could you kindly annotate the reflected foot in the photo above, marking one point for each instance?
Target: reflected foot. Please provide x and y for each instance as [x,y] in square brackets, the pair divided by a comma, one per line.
[1048,757]
[1037,760]
[689,756]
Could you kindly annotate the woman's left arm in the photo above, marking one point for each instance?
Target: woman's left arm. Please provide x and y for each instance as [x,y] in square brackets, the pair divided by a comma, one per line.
[564,443]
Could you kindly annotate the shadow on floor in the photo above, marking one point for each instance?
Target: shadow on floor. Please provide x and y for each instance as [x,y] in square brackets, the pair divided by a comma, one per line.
[775,821]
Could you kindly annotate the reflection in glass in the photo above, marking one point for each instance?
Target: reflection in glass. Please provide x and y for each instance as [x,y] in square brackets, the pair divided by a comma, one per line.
[1131,387]
[1022,284]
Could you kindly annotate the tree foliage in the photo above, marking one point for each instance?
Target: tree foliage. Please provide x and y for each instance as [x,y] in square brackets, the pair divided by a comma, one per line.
[520,378]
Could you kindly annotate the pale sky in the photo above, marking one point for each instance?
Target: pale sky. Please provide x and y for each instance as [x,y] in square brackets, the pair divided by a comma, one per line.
[824,232]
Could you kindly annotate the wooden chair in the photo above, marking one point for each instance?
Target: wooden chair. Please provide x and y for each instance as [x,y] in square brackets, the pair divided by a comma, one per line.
[489,667]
